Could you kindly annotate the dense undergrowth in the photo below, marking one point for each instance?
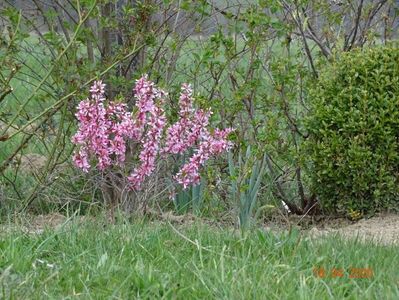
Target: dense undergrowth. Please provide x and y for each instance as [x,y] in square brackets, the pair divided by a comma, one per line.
[255,64]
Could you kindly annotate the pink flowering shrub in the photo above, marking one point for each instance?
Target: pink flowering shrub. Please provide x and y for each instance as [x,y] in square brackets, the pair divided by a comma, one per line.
[105,129]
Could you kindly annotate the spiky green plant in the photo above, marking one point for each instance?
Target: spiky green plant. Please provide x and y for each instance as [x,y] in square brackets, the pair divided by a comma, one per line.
[246,177]
[192,196]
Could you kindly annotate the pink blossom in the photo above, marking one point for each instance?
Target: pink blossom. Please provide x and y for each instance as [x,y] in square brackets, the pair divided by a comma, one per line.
[102,130]
[150,113]
[105,129]
[149,153]
[211,144]
[80,159]
[185,132]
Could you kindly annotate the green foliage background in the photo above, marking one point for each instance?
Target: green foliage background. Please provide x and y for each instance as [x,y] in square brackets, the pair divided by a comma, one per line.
[252,62]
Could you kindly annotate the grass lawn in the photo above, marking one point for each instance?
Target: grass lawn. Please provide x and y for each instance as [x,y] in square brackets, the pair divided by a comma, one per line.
[151,260]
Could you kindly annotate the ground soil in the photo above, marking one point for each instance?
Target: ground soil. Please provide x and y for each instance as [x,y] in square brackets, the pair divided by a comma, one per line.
[381,229]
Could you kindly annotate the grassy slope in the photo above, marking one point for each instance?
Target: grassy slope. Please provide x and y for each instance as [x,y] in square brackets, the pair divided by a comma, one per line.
[152,261]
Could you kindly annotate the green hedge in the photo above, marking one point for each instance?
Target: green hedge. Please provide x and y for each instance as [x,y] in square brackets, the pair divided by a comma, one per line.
[354,130]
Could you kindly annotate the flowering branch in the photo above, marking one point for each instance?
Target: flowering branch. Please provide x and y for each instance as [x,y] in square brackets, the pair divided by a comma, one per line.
[104,131]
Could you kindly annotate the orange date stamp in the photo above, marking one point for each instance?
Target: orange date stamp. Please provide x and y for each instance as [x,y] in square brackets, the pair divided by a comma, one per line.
[321,272]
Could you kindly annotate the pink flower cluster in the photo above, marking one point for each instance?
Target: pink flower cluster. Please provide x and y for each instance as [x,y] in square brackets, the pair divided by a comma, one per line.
[191,129]
[191,124]
[151,113]
[104,131]
[210,145]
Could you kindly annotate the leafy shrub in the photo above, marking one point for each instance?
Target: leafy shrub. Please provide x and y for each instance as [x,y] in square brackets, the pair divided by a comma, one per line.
[354,131]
